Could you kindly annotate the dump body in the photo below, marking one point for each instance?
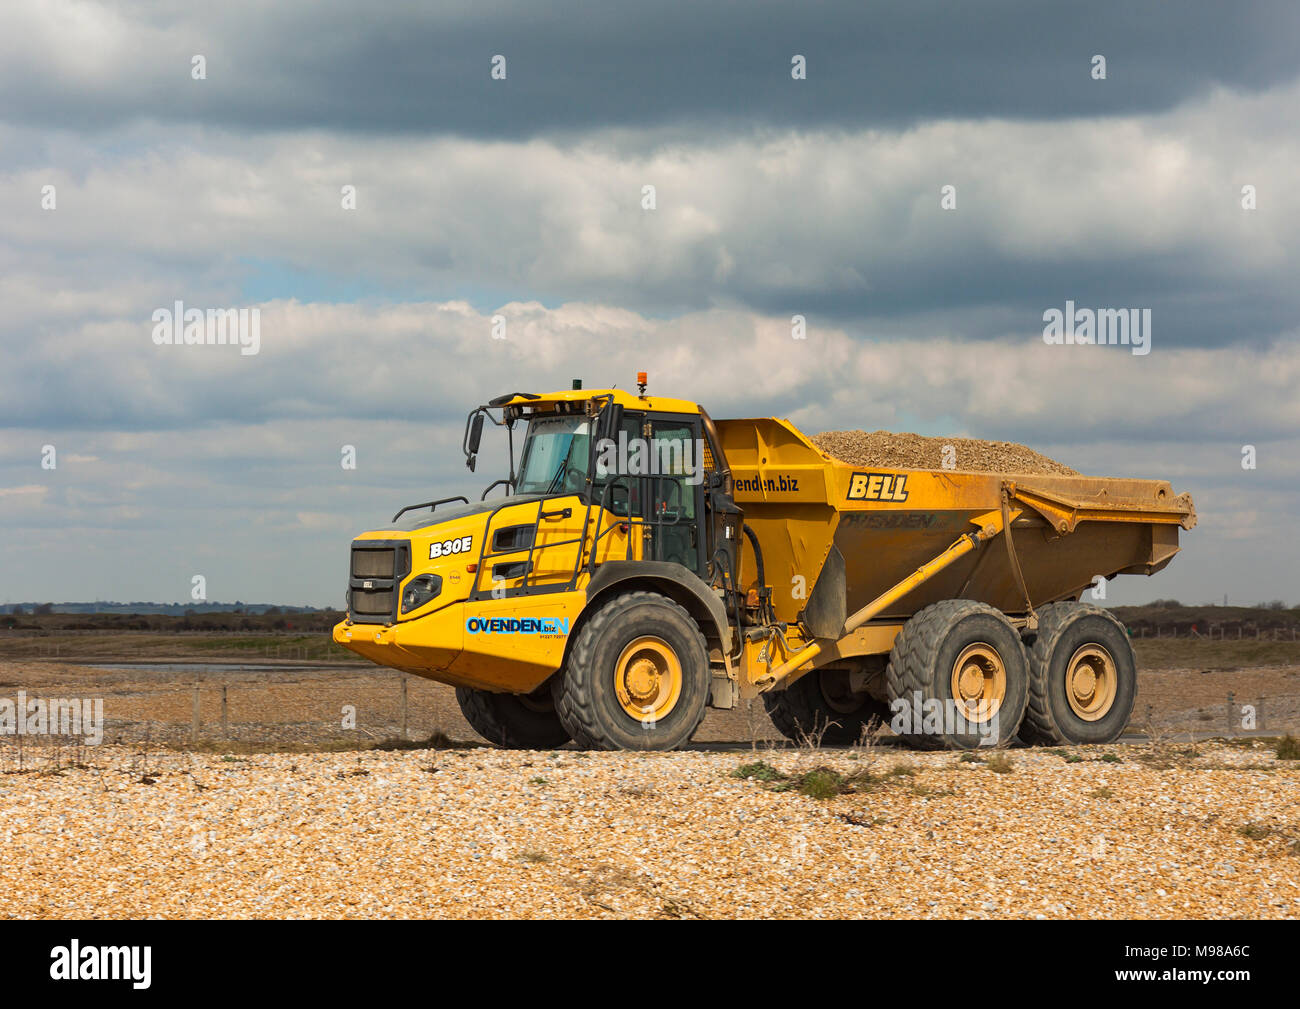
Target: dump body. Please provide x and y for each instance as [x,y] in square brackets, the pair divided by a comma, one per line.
[886,522]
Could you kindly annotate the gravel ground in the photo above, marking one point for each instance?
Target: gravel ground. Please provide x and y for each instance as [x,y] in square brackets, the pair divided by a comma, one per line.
[1204,833]
[914,451]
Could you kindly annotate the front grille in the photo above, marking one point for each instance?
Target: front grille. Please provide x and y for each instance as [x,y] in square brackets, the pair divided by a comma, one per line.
[372,602]
[372,562]
[377,568]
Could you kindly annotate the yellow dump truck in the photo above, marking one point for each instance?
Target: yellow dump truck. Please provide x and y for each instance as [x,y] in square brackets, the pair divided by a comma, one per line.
[640,562]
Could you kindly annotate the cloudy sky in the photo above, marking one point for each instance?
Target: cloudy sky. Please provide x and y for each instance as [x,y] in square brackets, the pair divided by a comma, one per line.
[219,183]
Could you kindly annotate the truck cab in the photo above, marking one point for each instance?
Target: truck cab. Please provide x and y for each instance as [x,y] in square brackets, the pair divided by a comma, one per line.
[613,492]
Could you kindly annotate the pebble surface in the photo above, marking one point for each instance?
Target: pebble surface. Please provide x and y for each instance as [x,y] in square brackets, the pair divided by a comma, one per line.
[903,450]
[1207,833]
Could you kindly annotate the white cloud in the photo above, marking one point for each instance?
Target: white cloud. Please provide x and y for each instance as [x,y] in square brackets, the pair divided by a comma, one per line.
[849,219]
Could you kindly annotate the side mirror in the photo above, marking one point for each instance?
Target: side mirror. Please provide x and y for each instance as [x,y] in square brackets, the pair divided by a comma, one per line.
[473,441]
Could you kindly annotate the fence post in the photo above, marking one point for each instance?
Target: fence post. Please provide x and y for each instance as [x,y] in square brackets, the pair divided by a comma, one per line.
[404,679]
[225,722]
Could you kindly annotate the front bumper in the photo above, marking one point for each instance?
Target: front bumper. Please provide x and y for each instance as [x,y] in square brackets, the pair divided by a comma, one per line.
[438,647]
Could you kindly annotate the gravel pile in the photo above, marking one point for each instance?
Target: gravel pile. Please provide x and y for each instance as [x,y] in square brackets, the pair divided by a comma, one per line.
[1209,833]
[913,451]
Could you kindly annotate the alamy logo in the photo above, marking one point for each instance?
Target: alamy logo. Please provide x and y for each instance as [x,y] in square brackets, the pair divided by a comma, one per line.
[56,717]
[917,716]
[75,962]
[1124,327]
[682,457]
[190,327]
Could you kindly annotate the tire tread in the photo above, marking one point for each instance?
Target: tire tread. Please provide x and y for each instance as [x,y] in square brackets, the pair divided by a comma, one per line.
[574,701]
[482,710]
[1039,727]
[909,667]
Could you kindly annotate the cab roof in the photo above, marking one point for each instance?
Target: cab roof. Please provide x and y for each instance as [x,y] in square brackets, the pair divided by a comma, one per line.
[627,400]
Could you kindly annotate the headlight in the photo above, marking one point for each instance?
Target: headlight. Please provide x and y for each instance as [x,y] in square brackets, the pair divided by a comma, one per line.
[419,590]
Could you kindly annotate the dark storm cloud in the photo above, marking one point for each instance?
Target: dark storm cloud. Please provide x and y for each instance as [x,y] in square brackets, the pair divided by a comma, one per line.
[574,65]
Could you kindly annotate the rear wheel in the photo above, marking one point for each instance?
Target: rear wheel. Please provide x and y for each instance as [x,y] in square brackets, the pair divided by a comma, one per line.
[958,677]
[637,677]
[1083,677]
[823,704]
[515,721]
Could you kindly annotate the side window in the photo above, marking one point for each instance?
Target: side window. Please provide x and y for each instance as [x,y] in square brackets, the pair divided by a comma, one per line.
[674,448]
[625,496]
[674,445]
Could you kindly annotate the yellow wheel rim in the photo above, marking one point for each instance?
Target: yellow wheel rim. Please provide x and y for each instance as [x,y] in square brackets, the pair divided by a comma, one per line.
[648,679]
[979,682]
[1091,681]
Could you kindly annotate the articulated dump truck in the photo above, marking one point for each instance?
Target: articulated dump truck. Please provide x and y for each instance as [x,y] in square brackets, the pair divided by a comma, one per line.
[642,562]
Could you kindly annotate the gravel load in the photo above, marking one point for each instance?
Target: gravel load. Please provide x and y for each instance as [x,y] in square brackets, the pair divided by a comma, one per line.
[896,450]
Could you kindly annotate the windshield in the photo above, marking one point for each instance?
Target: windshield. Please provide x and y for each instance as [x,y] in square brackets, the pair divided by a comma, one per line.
[555,456]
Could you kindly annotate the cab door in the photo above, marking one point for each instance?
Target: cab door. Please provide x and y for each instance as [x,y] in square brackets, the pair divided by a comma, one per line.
[674,491]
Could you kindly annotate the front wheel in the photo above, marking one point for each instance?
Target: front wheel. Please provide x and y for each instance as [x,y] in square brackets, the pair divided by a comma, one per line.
[515,721]
[637,677]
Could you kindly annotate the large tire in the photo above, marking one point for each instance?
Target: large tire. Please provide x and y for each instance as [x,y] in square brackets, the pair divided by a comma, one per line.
[954,646]
[513,721]
[1083,677]
[637,676]
[820,703]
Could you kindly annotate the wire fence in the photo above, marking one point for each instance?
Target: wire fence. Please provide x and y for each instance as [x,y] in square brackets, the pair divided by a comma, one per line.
[358,709]
[1215,632]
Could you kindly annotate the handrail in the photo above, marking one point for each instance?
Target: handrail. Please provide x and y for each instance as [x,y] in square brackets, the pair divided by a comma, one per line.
[629,518]
[588,538]
[432,505]
[483,554]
